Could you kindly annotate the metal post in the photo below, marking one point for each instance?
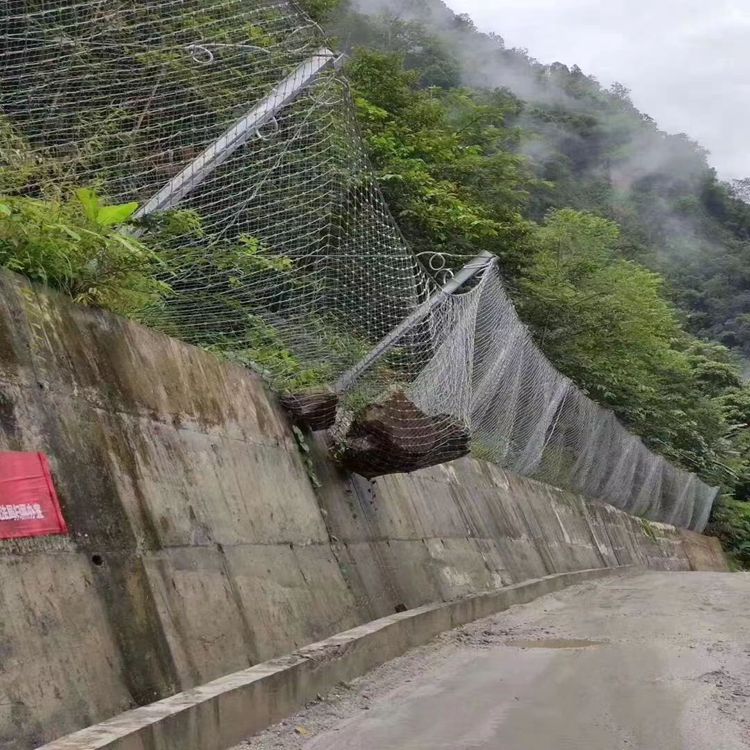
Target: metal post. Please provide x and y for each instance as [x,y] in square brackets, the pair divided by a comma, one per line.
[239,133]
[471,269]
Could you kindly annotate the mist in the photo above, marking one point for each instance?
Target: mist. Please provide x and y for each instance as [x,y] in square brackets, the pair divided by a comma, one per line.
[685,61]
[486,61]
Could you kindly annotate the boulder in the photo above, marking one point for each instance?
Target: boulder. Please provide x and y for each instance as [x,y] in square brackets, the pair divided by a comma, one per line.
[315,410]
[395,436]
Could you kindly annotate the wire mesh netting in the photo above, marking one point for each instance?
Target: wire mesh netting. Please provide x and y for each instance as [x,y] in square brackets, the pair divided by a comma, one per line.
[229,125]
[524,415]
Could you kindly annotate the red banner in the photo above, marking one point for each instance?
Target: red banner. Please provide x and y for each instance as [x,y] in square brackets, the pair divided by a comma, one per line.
[28,502]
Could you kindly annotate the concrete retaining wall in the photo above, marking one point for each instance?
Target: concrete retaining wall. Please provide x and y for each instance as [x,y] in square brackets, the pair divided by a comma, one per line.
[223,712]
[199,545]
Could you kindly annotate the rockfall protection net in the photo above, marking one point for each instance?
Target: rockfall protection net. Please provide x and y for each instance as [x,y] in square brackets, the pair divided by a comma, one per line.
[524,415]
[227,122]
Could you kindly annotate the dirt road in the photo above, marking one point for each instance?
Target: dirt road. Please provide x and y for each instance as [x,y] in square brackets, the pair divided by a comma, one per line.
[654,661]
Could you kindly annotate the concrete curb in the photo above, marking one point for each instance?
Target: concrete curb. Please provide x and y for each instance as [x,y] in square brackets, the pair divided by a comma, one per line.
[221,713]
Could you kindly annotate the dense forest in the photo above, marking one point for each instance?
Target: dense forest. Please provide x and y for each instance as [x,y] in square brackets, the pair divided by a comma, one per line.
[626,255]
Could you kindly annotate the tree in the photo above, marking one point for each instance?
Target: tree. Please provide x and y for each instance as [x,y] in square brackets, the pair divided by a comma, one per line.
[605,323]
[443,161]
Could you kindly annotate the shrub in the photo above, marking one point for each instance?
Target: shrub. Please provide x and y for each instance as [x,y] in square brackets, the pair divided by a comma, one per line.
[731,524]
[81,247]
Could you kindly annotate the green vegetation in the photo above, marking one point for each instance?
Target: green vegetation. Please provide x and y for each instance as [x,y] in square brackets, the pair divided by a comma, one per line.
[76,246]
[731,524]
[603,320]
[649,529]
[444,160]
[449,163]
[262,348]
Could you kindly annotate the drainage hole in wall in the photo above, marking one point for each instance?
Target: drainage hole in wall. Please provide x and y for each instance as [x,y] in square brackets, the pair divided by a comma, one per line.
[98,560]
[400,608]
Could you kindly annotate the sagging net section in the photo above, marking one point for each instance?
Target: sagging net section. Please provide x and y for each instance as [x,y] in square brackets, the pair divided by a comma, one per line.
[524,415]
[228,125]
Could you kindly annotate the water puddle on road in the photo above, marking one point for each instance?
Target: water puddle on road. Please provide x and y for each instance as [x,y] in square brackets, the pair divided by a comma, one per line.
[554,643]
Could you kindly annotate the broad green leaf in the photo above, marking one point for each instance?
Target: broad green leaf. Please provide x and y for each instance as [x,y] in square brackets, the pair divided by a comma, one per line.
[90,202]
[110,216]
[5,210]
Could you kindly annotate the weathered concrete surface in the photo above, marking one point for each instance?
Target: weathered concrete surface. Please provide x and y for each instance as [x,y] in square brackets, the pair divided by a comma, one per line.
[469,526]
[214,716]
[704,553]
[649,662]
[199,545]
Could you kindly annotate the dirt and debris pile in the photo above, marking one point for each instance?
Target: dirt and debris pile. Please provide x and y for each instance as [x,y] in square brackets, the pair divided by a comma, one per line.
[395,436]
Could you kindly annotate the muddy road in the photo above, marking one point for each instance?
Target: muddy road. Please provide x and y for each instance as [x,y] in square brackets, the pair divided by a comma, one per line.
[650,661]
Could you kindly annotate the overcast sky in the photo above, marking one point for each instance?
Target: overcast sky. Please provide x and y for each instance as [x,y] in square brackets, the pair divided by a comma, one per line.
[687,62]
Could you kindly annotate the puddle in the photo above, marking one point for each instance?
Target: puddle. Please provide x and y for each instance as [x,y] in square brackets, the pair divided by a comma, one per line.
[554,643]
